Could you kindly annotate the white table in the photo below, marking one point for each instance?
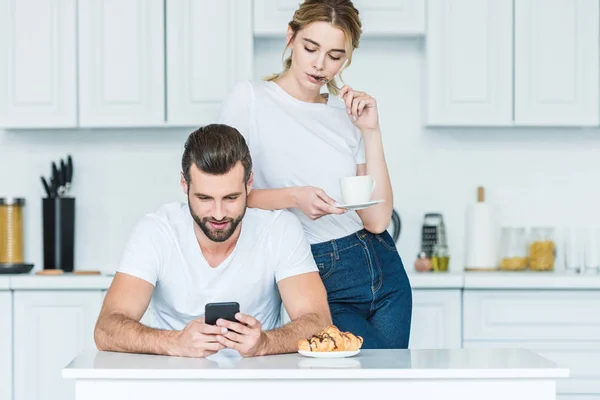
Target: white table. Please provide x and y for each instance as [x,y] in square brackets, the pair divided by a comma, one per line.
[403,374]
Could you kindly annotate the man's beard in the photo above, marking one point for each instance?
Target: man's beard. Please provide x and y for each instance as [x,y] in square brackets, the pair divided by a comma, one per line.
[218,235]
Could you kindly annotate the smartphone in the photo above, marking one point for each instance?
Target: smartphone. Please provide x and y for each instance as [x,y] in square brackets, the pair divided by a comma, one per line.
[214,311]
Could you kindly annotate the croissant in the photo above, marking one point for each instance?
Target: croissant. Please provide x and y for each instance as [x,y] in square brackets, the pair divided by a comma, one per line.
[331,339]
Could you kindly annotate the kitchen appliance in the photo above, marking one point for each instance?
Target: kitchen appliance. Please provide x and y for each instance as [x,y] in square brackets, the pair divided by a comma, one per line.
[12,259]
[434,254]
[396,226]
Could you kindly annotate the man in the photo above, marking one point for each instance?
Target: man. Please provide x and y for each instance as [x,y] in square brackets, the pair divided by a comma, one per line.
[214,250]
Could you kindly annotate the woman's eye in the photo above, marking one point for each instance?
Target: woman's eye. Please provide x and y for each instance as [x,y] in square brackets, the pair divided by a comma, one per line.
[335,58]
[309,50]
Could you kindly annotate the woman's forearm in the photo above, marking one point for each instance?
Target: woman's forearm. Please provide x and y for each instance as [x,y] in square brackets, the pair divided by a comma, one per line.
[272,199]
[376,219]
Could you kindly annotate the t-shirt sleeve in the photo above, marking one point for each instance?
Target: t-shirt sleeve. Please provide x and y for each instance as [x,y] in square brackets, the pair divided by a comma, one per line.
[143,255]
[236,110]
[291,248]
[359,156]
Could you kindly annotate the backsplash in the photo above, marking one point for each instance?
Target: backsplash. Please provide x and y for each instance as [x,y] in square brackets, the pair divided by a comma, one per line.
[536,176]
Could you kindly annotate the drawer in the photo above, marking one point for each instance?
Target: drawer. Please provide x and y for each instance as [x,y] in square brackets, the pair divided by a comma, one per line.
[582,359]
[531,315]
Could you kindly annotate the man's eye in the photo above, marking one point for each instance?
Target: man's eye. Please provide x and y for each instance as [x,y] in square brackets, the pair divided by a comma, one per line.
[309,50]
[231,198]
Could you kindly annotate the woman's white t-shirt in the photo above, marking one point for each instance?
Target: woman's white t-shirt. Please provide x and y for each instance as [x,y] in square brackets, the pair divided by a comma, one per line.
[297,143]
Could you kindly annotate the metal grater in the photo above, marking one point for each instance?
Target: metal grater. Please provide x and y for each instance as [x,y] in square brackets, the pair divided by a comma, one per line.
[431,232]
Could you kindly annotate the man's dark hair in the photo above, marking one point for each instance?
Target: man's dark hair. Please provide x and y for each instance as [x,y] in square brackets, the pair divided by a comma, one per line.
[215,149]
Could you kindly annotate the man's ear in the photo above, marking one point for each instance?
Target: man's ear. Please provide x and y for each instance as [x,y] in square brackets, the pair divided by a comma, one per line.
[183,183]
[250,182]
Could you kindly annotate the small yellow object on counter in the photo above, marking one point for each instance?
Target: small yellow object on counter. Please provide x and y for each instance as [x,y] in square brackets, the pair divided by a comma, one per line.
[513,263]
[541,255]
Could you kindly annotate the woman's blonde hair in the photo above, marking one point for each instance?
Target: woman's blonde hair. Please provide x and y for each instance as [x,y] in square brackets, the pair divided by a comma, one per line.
[341,14]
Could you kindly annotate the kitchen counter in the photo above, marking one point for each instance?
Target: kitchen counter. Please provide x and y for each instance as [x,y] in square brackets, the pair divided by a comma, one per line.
[502,280]
[54,282]
[427,280]
[530,280]
[414,374]
[4,282]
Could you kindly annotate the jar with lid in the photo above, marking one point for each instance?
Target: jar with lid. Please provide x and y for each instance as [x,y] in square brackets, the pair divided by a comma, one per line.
[542,249]
[11,230]
[513,249]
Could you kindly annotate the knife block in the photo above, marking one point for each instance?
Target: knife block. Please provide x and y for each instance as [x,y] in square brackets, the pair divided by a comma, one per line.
[58,220]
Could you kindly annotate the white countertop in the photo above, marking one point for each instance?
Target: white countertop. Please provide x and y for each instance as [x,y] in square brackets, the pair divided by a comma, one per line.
[431,280]
[501,280]
[368,364]
[4,282]
[530,280]
[54,282]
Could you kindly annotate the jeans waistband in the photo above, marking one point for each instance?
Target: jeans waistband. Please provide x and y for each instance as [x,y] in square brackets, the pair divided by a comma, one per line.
[336,245]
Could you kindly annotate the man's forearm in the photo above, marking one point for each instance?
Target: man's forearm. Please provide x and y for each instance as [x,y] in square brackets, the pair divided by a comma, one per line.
[285,339]
[117,332]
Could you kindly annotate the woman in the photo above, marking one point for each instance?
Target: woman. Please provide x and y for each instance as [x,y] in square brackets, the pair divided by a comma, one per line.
[302,142]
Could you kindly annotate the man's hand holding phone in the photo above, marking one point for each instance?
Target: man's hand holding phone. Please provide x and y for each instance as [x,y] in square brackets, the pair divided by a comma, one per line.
[198,339]
[245,336]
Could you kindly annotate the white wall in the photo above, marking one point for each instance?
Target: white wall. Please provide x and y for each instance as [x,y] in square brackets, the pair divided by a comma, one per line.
[536,176]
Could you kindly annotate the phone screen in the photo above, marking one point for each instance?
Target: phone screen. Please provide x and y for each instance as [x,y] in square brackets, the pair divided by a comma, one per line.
[214,311]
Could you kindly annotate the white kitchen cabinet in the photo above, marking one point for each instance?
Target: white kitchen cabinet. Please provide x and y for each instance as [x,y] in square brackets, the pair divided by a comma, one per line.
[582,359]
[469,60]
[379,18]
[6,345]
[209,49]
[556,62]
[561,325]
[121,63]
[436,319]
[38,63]
[50,329]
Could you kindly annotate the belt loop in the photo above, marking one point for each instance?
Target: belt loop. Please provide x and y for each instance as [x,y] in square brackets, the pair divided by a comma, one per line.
[335,250]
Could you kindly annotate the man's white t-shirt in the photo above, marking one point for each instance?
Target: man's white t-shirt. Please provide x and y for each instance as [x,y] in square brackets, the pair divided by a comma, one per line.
[297,143]
[163,250]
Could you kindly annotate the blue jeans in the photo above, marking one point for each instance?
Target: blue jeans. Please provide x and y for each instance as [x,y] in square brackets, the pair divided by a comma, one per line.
[368,291]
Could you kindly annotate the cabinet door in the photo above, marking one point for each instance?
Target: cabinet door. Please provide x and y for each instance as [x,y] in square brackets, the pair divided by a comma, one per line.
[556,62]
[121,63]
[469,63]
[50,329]
[38,63]
[381,17]
[209,49]
[436,319]
[6,345]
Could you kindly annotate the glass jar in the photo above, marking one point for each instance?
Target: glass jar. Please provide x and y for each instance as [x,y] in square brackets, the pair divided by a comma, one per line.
[440,259]
[513,249]
[11,230]
[542,249]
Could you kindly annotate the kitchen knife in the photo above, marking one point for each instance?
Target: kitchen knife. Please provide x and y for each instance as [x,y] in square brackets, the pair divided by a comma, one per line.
[46,187]
[69,173]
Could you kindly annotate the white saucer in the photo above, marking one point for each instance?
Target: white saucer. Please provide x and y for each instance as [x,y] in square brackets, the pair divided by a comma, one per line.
[360,206]
[328,354]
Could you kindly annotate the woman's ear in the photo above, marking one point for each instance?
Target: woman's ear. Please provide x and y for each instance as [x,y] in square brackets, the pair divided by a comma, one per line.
[288,36]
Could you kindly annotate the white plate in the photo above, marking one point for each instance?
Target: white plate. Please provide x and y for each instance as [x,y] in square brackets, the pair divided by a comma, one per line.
[328,354]
[360,206]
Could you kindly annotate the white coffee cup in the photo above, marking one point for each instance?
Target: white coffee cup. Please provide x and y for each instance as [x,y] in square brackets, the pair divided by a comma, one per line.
[357,189]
